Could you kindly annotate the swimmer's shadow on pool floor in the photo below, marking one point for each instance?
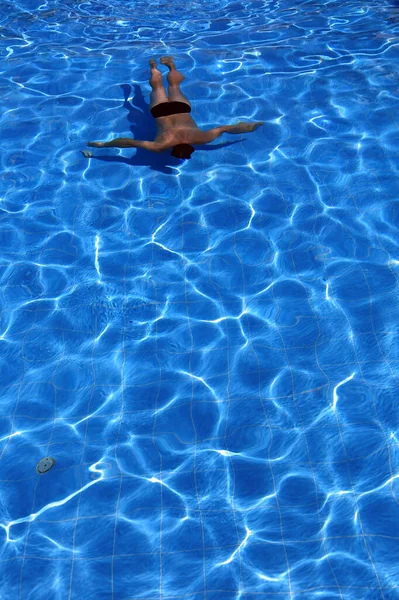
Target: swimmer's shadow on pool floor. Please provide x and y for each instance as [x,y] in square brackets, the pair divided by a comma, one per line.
[142,126]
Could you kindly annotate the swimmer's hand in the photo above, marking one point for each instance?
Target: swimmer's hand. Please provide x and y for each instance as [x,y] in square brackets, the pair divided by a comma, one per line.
[242,127]
[253,126]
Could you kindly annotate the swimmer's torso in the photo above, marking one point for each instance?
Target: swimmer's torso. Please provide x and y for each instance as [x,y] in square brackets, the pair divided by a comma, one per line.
[177,129]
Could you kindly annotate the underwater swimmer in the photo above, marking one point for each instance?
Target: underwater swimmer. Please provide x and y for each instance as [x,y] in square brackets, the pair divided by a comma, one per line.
[176,128]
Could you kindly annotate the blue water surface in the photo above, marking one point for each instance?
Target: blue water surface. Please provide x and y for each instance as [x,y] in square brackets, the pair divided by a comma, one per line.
[207,348]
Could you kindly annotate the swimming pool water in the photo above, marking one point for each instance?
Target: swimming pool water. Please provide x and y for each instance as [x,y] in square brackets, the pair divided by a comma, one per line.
[208,349]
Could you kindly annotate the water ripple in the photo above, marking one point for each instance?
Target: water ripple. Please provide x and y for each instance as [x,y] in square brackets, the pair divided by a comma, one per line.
[209,349]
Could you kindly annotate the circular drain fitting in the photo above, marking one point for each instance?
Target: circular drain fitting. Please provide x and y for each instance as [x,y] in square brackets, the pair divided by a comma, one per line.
[45,464]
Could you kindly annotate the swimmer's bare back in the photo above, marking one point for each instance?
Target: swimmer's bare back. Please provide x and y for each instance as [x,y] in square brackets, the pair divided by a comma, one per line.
[177,128]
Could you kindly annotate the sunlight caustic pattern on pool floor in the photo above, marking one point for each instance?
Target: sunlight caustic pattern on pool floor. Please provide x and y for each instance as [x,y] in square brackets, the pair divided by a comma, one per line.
[208,349]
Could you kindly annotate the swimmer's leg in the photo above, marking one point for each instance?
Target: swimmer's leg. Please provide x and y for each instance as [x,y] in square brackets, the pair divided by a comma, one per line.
[174,80]
[158,94]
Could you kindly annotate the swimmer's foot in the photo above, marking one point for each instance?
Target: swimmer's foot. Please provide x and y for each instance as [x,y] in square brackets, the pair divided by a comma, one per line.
[168,61]
[153,64]
[86,154]
[96,144]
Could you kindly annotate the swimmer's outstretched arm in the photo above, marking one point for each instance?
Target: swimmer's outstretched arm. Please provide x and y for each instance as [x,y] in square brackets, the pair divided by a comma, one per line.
[240,127]
[129,143]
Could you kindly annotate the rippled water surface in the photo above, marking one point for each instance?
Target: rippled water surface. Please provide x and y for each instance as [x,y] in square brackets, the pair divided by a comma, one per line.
[208,349]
